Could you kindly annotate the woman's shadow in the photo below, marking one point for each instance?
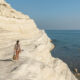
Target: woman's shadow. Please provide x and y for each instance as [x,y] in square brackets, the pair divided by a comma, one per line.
[6,60]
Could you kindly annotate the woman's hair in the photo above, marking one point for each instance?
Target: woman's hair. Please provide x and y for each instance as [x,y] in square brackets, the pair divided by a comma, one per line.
[17,41]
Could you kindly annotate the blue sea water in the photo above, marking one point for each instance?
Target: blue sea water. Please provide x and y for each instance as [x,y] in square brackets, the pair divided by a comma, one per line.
[67,46]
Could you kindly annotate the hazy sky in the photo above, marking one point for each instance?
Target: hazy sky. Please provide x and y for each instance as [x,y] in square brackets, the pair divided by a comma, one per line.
[51,14]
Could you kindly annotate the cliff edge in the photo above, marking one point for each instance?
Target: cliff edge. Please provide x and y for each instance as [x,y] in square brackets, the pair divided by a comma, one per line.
[36,62]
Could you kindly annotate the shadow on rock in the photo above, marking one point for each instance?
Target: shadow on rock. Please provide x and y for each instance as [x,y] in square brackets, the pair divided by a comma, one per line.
[6,60]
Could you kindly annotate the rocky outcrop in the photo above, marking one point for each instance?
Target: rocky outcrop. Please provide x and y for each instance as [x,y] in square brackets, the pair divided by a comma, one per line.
[36,62]
[7,11]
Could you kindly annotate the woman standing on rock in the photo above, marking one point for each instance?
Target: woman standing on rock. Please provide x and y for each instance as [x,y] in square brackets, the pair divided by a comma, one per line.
[17,50]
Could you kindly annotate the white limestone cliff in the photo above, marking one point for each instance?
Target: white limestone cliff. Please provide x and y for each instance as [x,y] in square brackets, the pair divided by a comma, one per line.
[36,62]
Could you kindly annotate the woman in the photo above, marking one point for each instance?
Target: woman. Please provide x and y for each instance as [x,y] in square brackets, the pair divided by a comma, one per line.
[17,50]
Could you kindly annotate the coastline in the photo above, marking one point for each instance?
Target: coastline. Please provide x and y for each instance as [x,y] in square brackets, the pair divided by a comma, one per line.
[67,49]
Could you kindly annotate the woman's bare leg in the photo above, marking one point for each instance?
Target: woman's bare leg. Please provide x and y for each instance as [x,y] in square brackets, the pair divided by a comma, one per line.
[17,55]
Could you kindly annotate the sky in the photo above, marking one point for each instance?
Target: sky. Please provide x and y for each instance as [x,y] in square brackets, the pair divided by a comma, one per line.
[51,14]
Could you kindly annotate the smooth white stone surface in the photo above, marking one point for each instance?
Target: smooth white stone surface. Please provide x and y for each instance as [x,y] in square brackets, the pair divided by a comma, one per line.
[36,62]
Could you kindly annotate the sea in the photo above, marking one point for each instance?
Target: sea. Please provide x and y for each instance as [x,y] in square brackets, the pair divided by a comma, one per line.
[67,46]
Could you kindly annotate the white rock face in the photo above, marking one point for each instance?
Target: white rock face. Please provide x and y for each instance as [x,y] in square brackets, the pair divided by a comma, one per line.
[36,62]
[2,1]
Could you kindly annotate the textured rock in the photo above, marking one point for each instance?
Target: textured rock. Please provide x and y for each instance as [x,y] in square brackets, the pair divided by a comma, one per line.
[36,62]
